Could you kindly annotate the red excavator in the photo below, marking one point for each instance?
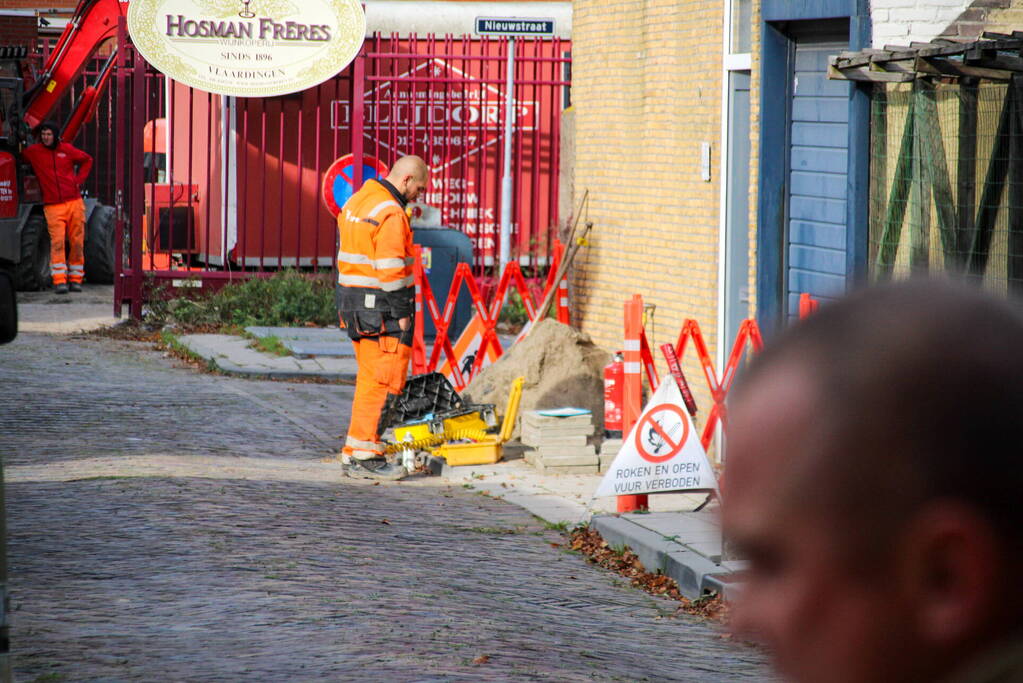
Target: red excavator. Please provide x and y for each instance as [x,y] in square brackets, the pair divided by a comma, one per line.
[29,96]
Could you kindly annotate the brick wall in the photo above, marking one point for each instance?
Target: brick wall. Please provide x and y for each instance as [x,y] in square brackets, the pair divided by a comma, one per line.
[999,16]
[646,92]
[18,30]
[900,22]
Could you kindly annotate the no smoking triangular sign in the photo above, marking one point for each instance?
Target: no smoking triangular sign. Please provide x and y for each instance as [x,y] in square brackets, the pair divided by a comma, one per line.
[662,452]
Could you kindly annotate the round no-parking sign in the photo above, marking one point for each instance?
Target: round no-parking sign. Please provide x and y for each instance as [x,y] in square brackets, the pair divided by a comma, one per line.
[338,186]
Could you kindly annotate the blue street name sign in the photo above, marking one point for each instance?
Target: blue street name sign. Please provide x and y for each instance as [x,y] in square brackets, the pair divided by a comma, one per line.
[514,26]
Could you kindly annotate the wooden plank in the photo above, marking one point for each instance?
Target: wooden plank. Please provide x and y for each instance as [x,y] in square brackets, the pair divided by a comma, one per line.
[832,109]
[820,134]
[878,167]
[1014,267]
[947,67]
[865,74]
[824,185]
[920,192]
[896,212]
[935,168]
[999,62]
[994,184]
[966,168]
[816,259]
[901,67]
[981,59]
[843,61]
[818,234]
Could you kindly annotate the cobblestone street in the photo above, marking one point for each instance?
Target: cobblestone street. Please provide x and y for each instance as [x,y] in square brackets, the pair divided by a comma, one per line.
[166,525]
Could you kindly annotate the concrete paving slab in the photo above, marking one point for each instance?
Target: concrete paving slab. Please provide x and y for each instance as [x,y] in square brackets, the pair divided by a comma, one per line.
[546,451]
[701,522]
[543,468]
[565,460]
[306,334]
[232,355]
[305,349]
[573,440]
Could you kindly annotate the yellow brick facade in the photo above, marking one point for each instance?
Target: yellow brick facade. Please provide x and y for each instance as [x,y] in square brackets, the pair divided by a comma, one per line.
[754,164]
[646,92]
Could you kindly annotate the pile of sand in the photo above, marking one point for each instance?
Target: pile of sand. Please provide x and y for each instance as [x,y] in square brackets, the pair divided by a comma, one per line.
[562,367]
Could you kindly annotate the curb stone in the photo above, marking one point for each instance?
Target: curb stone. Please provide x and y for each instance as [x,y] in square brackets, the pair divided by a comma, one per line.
[695,574]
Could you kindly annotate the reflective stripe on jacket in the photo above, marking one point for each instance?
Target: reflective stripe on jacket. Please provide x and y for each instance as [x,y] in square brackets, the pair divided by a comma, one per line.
[376,241]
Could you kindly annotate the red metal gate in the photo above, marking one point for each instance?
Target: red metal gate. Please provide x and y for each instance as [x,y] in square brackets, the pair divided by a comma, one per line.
[230,187]
[445,100]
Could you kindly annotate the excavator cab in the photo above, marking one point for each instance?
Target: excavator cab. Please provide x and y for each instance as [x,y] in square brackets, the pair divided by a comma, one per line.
[12,92]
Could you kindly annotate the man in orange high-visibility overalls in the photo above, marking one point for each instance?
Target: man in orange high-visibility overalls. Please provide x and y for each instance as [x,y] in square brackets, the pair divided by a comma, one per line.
[376,302]
[54,164]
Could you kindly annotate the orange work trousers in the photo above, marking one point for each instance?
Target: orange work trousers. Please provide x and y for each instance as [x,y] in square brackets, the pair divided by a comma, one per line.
[66,221]
[383,366]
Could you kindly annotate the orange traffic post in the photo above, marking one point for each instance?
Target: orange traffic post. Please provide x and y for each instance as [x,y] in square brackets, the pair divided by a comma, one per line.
[632,404]
[807,305]
[562,298]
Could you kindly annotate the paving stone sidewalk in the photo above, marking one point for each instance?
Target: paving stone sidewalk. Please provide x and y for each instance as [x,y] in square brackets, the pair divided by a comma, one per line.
[681,542]
[171,525]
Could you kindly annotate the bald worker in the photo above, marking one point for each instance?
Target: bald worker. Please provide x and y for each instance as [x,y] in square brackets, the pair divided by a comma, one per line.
[874,484]
[375,297]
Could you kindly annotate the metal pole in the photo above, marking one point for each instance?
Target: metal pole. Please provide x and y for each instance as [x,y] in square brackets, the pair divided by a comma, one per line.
[506,178]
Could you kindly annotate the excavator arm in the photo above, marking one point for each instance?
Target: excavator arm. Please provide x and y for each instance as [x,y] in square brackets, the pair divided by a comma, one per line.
[93,23]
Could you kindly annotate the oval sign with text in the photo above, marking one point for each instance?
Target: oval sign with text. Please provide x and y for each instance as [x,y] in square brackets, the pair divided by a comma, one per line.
[248,48]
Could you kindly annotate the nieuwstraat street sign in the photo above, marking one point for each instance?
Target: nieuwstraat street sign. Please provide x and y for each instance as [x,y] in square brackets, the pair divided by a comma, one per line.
[248,48]
[514,26]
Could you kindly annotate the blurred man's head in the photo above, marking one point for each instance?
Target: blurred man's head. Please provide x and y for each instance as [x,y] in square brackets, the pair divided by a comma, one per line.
[410,176]
[873,482]
[48,134]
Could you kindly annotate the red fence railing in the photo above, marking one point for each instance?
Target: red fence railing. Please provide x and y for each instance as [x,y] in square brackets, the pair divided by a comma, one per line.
[230,187]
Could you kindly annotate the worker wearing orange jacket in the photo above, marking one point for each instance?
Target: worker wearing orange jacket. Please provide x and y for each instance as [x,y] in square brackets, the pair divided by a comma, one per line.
[54,164]
[376,302]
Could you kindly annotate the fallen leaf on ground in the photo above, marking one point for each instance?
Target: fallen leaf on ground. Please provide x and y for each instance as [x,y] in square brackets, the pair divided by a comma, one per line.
[626,563]
[482,659]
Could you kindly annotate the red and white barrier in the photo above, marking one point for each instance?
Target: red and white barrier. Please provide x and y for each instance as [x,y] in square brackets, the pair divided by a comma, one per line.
[480,336]
[641,357]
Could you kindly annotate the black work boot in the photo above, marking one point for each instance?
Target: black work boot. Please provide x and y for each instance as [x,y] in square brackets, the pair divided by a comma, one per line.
[76,286]
[60,289]
[375,468]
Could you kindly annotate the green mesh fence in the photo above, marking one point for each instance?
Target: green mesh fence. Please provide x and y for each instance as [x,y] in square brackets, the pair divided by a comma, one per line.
[947,181]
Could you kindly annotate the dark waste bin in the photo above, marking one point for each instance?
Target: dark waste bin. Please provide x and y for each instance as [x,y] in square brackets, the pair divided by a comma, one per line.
[443,250]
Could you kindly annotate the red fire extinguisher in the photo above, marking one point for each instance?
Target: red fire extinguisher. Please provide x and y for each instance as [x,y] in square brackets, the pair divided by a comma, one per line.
[614,396]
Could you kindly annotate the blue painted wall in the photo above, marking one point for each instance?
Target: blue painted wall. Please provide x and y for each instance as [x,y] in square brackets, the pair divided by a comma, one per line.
[814,157]
[818,166]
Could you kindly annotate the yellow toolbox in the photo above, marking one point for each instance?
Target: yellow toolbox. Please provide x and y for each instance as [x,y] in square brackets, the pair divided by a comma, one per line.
[487,449]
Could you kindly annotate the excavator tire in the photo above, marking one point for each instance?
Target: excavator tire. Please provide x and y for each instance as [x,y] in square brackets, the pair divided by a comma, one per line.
[99,245]
[33,272]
